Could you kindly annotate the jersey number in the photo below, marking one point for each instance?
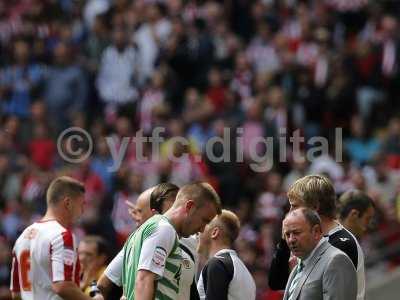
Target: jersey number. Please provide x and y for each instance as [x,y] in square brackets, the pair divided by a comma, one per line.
[25,265]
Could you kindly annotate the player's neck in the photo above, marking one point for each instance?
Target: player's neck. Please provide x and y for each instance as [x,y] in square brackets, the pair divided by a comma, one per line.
[173,216]
[216,247]
[54,215]
[327,224]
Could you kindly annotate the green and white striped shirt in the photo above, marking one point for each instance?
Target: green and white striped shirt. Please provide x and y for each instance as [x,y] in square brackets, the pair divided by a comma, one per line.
[154,247]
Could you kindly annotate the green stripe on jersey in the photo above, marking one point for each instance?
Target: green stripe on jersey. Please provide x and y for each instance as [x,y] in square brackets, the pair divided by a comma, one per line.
[168,286]
[161,296]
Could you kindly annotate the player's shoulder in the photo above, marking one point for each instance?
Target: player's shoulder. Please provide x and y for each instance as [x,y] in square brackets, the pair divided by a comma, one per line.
[190,243]
[342,238]
[338,256]
[157,225]
[164,226]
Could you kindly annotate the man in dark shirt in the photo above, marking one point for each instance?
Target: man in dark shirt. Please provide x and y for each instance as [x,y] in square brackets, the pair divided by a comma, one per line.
[317,192]
[224,277]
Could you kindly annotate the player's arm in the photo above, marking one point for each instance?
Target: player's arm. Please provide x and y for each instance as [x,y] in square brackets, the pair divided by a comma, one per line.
[15,296]
[14,284]
[218,280]
[62,259]
[68,290]
[145,285]
[153,255]
[104,284]
[112,274]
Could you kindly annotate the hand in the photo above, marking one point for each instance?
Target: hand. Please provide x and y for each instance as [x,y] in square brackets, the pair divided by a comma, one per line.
[131,209]
[292,262]
[123,298]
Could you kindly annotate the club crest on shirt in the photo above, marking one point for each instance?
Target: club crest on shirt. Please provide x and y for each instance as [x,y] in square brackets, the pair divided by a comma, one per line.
[186,263]
[159,257]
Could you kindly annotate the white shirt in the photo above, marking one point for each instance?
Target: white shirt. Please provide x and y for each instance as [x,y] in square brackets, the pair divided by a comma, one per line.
[117,71]
[189,267]
[44,253]
[241,285]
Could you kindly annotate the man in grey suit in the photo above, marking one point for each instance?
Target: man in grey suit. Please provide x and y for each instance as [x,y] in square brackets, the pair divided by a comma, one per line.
[322,271]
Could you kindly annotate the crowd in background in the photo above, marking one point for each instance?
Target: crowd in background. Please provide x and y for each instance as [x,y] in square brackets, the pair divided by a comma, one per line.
[194,68]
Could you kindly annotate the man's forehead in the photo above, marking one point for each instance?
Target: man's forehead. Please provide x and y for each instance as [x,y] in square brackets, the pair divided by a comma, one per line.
[144,198]
[294,221]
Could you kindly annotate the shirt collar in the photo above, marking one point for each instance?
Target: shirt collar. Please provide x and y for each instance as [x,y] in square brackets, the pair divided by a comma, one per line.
[225,251]
[334,230]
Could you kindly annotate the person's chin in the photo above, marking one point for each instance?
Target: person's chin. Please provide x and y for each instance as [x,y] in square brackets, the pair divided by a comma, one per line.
[297,253]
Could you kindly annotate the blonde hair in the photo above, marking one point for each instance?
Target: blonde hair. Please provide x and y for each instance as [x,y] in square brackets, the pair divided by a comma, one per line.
[199,192]
[62,187]
[229,223]
[316,192]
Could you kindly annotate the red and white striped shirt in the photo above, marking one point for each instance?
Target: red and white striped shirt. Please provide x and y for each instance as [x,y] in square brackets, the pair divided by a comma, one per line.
[44,253]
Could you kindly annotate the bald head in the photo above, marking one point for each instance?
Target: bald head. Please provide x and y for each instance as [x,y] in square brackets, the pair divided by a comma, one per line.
[142,208]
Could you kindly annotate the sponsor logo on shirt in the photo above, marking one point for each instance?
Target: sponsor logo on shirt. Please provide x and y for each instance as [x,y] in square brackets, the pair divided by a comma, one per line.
[159,257]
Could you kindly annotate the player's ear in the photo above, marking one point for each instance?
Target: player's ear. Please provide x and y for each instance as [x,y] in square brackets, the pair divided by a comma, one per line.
[67,202]
[189,205]
[354,214]
[215,232]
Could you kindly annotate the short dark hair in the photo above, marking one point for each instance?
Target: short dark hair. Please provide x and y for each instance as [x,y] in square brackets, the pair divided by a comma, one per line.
[102,247]
[62,187]
[354,199]
[162,192]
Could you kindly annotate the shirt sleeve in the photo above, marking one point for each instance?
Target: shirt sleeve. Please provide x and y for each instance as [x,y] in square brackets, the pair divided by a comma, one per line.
[114,269]
[218,280]
[156,248]
[62,257]
[14,284]
[347,244]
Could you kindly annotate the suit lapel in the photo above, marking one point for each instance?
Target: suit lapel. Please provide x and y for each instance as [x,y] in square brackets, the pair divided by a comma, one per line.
[310,266]
[292,274]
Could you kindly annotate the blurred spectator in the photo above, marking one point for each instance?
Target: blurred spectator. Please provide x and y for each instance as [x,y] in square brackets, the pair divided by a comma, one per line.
[391,145]
[118,76]
[361,147]
[42,149]
[152,34]
[5,267]
[93,254]
[65,91]
[19,83]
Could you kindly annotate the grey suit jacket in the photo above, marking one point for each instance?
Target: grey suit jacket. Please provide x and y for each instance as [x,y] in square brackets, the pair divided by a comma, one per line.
[329,274]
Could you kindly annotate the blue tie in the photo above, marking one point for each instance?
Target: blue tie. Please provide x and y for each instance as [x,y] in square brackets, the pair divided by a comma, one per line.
[293,284]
